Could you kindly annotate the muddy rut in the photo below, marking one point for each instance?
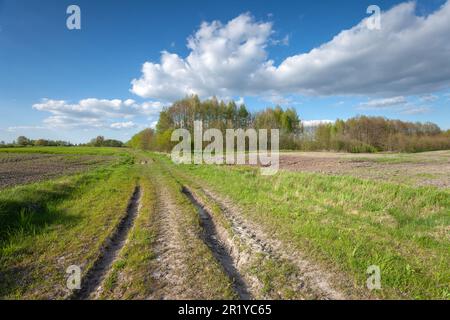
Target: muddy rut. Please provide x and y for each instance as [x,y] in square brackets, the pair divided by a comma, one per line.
[310,281]
[91,285]
[219,249]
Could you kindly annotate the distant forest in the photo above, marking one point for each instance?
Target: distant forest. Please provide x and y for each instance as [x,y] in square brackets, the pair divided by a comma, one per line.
[23,141]
[358,134]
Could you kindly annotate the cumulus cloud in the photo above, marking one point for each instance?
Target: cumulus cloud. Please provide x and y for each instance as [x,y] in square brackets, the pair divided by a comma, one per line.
[409,55]
[96,113]
[222,61]
[283,42]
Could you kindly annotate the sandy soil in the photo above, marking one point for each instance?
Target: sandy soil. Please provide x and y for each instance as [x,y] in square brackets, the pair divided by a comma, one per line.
[222,248]
[169,273]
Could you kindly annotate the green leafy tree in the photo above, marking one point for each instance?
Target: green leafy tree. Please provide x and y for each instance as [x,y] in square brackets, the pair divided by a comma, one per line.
[23,141]
[143,140]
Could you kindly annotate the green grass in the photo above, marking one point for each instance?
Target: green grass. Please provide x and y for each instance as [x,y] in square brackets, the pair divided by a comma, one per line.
[276,275]
[397,159]
[344,223]
[406,158]
[349,224]
[48,226]
[130,276]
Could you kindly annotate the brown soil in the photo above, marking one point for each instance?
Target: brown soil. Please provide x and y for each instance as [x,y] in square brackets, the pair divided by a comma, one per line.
[220,248]
[171,249]
[18,169]
[426,169]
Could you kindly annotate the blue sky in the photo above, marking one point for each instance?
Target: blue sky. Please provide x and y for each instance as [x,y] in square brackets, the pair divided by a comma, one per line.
[75,84]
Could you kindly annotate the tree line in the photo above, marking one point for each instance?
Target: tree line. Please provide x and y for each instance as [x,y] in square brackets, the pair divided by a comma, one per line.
[358,134]
[100,141]
[214,114]
[23,141]
[374,134]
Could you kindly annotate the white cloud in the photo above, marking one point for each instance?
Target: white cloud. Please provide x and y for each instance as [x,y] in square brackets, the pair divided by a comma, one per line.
[150,108]
[429,98]
[283,42]
[123,125]
[22,128]
[399,105]
[416,110]
[222,59]
[153,124]
[382,103]
[408,56]
[278,99]
[240,101]
[95,113]
[315,123]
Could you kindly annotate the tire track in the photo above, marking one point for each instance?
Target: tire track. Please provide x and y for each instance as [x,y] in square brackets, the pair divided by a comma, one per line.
[170,249]
[219,250]
[91,285]
[313,282]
